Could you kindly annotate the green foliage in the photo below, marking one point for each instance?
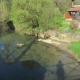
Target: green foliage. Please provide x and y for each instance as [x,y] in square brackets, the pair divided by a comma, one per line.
[75,46]
[58,18]
[42,14]
[35,15]
[46,18]
[21,16]
[73,31]
[63,5]
[3,11]
[77,2]
[65,25]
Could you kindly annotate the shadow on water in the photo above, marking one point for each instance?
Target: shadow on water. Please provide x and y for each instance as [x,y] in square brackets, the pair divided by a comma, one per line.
[20,70]
[26,49]
[38,71]
[8,53]
[60,71]
[35,49]
[24,70]
[64,71]
[29,62]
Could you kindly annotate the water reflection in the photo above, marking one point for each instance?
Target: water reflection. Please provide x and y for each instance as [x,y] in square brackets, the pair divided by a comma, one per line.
[28,62]
[37,71]
[60,71]
[24,70]
[31,64]
[2,45]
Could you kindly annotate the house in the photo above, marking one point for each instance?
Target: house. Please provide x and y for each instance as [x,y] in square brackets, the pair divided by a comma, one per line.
[73,13]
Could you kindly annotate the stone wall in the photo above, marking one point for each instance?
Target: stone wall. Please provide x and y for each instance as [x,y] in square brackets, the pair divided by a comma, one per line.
[62,36]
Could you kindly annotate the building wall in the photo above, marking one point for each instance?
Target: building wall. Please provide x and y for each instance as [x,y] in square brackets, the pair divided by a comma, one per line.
[67,15]
[75,15]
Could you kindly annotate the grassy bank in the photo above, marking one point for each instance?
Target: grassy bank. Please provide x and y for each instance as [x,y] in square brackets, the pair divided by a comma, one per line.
[65,25]
[75,46]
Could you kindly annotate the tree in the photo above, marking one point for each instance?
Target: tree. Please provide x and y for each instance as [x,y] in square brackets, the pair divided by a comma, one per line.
[77,2]
[63,5]
[3,11]
[34,15]
[58,18]
[26,12]
[47,15]
[23,12]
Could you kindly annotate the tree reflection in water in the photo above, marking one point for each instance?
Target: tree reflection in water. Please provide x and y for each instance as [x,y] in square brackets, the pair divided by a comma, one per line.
[24,70]
[35,70]
[26,63]
[30,64]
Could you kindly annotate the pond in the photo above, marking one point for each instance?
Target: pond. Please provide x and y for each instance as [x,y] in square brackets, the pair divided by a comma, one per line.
[35,60]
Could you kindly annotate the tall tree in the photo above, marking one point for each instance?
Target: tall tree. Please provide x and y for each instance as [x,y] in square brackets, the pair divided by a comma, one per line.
[63,5]
[3,10]
[33,15]
[77,2]
[29,12]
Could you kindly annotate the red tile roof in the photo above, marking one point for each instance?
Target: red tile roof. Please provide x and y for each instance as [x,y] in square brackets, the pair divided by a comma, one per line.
[74,9]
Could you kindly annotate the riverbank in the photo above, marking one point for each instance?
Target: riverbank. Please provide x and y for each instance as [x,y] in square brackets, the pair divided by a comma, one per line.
[35,59]
[62,45]
[62,40]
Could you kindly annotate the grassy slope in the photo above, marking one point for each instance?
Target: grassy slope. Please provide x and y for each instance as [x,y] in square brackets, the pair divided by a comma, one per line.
[65,25]
[75,46]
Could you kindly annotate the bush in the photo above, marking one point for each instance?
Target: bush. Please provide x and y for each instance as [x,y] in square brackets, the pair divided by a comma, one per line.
[74,24]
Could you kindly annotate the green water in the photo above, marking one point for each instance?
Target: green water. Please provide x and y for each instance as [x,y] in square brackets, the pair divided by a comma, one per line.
[28,62]
[35,60]
[43,53]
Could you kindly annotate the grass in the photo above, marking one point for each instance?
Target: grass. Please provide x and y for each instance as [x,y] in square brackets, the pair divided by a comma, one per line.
[75,46]
[65,25]
[73,31]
